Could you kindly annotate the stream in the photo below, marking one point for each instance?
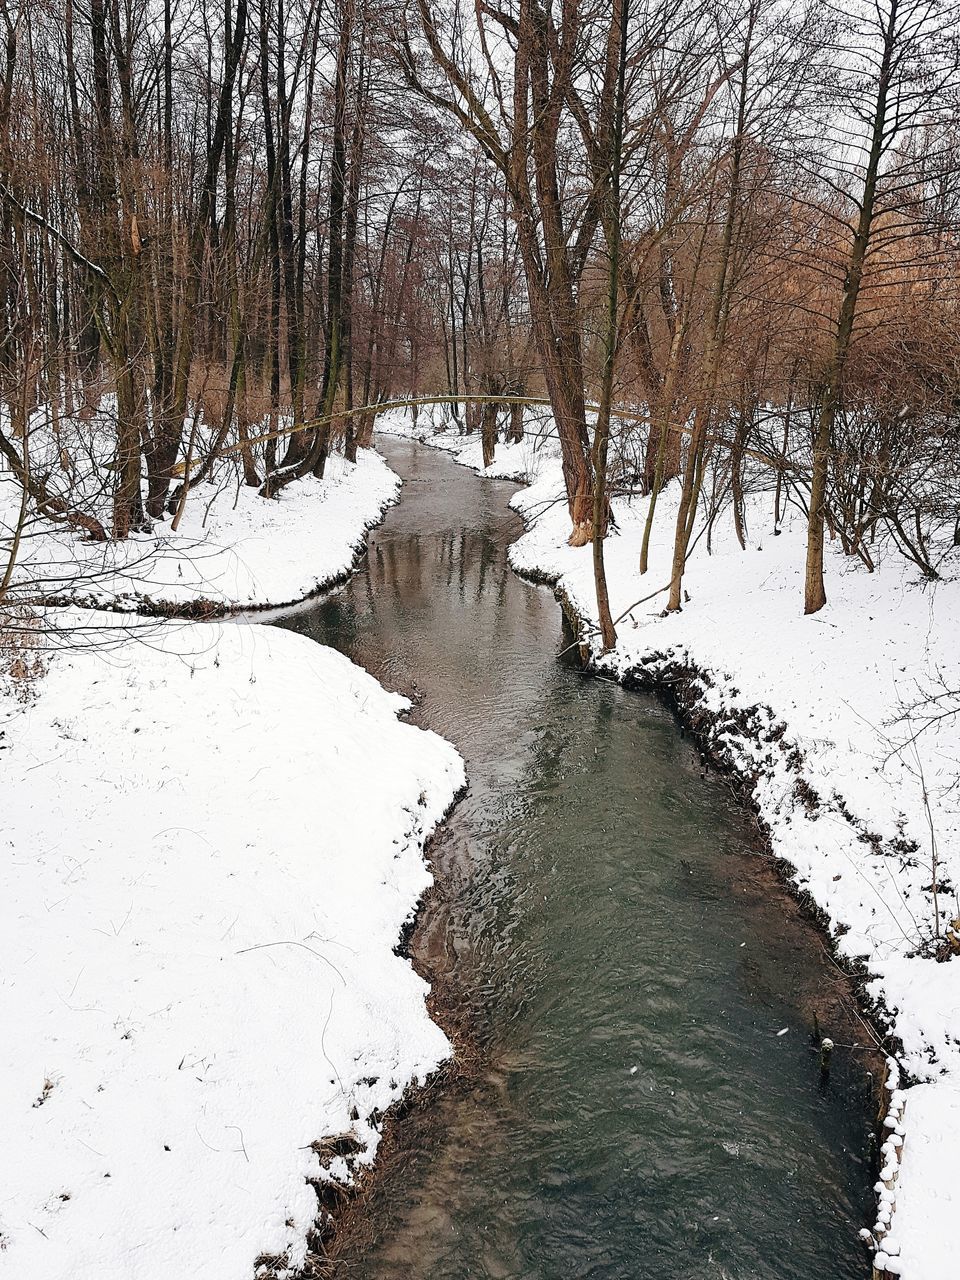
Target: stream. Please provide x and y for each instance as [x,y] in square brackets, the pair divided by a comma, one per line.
[630,988]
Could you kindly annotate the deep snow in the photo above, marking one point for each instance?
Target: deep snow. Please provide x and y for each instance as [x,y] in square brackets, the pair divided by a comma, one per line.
[817,714]
[214,837]
[213,841]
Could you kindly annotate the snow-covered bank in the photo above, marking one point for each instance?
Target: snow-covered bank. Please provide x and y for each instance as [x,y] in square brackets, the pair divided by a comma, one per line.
[820,717]
[213,840]
[232,549]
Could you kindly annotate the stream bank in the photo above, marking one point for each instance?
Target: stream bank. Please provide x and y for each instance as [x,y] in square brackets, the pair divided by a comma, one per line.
[833,723]
[644,1098]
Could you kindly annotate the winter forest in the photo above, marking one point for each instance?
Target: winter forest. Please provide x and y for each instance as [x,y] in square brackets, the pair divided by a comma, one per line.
[479,598]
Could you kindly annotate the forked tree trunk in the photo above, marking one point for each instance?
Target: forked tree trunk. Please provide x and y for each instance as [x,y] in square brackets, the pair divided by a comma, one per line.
[543,62]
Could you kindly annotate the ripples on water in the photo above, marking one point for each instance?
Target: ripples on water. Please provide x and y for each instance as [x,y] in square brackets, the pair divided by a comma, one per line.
[626,958]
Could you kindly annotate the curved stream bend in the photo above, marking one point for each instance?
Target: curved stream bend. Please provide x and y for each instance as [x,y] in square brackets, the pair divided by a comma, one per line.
[627,958]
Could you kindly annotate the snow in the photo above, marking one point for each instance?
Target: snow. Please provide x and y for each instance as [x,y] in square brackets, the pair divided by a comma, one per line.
[821,715]
[232,548]
[213,837]
[924,1236]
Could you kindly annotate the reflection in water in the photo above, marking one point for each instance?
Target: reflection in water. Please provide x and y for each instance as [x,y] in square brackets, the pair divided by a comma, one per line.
[626,956]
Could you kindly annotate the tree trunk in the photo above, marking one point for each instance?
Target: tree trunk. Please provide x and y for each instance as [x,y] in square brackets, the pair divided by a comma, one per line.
[814,590]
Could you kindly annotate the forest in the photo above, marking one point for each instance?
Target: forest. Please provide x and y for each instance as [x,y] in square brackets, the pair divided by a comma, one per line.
[700,235]
[305,306]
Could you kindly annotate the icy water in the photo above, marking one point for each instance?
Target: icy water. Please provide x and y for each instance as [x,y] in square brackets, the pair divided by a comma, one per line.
[617,956]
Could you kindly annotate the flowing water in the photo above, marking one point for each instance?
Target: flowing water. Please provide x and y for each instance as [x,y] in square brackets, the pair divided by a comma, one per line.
[620,954]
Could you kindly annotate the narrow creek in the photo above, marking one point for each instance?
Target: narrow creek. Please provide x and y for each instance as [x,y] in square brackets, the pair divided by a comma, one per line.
[632,989]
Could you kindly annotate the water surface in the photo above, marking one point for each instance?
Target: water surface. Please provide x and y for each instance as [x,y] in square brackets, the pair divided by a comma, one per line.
[621,954]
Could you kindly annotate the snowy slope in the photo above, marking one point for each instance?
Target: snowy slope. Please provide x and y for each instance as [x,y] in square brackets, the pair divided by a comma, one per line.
[231,549]
[818,715]
[211,842]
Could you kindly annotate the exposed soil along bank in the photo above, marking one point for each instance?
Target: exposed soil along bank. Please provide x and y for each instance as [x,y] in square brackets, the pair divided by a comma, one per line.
[639,1094]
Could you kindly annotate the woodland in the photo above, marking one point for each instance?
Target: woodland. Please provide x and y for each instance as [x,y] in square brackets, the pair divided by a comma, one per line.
[701,236]
[688,271]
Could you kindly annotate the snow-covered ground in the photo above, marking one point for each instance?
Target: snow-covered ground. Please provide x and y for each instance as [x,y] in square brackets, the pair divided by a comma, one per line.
[821,715]
[232,548]
[215,836]
[212,837]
